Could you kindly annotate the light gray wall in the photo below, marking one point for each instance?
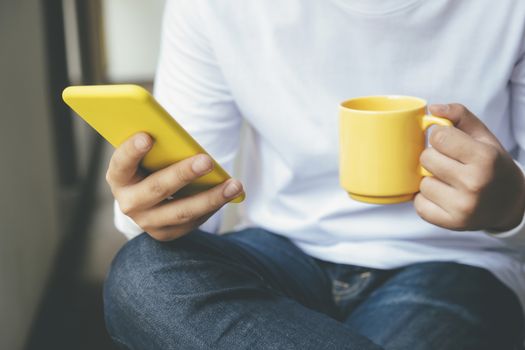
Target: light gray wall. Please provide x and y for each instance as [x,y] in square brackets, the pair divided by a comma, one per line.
[29,230]
[132,34]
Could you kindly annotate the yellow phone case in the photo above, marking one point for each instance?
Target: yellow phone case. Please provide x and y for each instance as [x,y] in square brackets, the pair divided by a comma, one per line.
[119,111]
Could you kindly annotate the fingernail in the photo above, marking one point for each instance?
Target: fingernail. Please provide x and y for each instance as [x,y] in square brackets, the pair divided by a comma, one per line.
[232,189]
[142,142]
[202,164]
[440,108]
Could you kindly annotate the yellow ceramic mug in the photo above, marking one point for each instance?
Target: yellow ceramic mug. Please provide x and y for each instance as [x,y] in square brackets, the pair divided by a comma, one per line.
[381,139]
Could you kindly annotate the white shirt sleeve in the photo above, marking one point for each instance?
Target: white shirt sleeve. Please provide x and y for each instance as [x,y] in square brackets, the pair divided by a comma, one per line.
[516,236]
[189,84]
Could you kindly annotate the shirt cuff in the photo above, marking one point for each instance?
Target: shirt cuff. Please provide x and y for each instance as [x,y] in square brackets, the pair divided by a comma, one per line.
[124,223]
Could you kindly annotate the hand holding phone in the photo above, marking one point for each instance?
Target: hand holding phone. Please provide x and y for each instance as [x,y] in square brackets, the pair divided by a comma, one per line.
[148,139]
[144,198]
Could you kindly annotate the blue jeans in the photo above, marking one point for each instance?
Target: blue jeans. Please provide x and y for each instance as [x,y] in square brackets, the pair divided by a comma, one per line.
[253,289]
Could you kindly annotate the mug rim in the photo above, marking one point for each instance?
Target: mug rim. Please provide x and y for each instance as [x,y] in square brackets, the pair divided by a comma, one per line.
[422,103]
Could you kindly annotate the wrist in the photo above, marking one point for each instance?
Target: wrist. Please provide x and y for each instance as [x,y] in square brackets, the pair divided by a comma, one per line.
[516,212]
[511,223]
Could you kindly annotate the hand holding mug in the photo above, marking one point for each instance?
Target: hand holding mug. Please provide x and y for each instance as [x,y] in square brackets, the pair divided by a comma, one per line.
[476,184]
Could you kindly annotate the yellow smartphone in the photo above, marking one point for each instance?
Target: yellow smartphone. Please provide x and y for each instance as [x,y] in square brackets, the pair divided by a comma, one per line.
[119,111]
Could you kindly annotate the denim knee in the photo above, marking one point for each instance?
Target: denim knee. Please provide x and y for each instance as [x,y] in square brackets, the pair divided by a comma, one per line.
[123,285]
[154,287]
[134,285]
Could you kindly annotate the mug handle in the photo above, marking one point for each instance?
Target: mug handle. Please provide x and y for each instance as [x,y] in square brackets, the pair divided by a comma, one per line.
[428,121]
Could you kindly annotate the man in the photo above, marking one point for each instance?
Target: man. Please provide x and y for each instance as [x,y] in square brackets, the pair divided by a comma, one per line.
[309,268]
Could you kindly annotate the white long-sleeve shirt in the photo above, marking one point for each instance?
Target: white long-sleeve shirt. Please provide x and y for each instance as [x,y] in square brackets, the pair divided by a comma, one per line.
[284,66]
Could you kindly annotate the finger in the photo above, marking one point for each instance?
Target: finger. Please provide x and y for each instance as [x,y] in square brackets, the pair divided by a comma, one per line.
[444,168]
[186,210]
[455,144]
[169,233]
[126,158]
[465,120]
[438,192]
[431,212]
[160,185]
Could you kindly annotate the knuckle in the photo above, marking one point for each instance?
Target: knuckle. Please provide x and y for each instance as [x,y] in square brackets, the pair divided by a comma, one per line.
[144,222]
[461,108]
[129,151]
[489,155]
[476,182]
[126,209]
[472,184]
[460,223]
[116,162]
[439,136]
[466,206]
[215,201]
[424,185]
[426,156]
[127,206]
[182,174]
[156,188]
[108,177]
[183,215]
[420,209]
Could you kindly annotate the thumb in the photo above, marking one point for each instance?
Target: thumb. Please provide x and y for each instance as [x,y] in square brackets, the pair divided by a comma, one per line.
[466,121]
